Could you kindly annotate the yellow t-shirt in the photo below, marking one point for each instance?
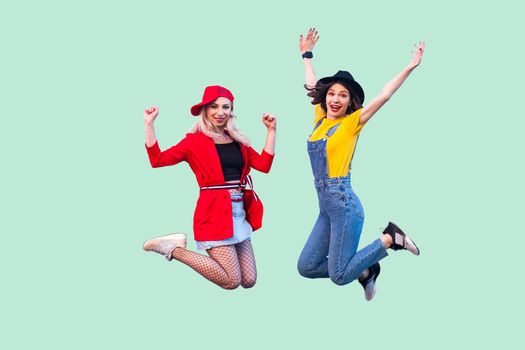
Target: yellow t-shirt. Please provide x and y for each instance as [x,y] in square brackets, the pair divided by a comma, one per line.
[341,145]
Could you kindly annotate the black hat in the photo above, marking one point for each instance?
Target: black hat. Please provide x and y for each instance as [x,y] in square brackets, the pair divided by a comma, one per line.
[347,79]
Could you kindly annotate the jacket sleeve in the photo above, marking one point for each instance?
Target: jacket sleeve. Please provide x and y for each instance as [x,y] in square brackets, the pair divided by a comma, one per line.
[262,162]
[171,156]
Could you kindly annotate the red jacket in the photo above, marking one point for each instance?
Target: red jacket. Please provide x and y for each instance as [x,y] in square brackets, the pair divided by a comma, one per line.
[212,220]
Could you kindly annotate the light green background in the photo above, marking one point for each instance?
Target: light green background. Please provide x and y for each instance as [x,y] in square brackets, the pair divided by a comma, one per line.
[443,159]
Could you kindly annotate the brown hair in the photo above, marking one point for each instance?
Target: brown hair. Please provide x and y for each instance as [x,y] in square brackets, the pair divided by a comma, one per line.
[318,95]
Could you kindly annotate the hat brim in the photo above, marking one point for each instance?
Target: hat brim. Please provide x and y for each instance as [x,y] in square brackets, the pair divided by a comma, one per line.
[196,110]
[352,84]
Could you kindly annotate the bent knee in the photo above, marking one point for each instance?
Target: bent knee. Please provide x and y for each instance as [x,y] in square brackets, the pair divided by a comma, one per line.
[248,283]
[231,285]
[305,270]
[337,279]
[341,278]
[232,282]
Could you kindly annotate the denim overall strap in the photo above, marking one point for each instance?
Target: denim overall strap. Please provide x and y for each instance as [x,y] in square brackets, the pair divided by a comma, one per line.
[317,153]
[332,130]
[317,125]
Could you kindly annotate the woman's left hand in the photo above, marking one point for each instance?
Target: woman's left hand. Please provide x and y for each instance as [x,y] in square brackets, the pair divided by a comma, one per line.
[269,121]
[417,54]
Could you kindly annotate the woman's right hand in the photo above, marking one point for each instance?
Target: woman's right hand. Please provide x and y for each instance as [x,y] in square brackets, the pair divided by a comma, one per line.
[150,114]
[308,43]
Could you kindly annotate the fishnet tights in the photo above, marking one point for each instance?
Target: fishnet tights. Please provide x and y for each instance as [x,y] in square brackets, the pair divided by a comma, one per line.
[227,266]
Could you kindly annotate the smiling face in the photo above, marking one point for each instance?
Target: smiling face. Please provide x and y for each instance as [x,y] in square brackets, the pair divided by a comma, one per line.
[219,111]
[337,100]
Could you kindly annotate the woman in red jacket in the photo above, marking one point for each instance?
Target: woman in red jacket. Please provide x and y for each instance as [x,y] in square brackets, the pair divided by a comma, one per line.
[227,212]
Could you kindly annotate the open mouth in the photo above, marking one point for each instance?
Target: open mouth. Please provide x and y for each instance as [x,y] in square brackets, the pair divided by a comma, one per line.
[335,108]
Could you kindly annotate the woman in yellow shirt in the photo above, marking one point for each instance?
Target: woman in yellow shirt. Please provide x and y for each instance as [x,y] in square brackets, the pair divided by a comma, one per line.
[339,115]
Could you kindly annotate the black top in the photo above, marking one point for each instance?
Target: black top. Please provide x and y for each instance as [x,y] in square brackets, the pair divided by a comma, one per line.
[231,160]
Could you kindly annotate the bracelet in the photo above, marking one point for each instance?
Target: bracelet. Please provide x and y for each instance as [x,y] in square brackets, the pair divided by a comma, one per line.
[307,54]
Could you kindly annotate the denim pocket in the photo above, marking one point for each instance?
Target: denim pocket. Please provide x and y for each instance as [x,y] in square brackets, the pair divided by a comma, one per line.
[336,194]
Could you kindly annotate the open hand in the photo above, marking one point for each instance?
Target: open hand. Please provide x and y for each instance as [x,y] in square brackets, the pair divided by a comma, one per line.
[308,43]
[417,54]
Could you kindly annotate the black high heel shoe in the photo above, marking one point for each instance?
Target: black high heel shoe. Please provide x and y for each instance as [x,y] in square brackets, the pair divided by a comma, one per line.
[369,283]
[400,239]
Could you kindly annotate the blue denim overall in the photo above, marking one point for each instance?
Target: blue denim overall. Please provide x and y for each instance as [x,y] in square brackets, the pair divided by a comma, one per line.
[331,249]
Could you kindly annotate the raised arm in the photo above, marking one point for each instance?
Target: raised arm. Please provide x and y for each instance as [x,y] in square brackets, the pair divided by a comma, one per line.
[263,162]
[392,86]
[306,45]
[271,124]
[157,157]
[150,114]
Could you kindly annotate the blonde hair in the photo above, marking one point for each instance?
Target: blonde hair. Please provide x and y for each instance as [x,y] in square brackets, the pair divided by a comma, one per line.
[208,129]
